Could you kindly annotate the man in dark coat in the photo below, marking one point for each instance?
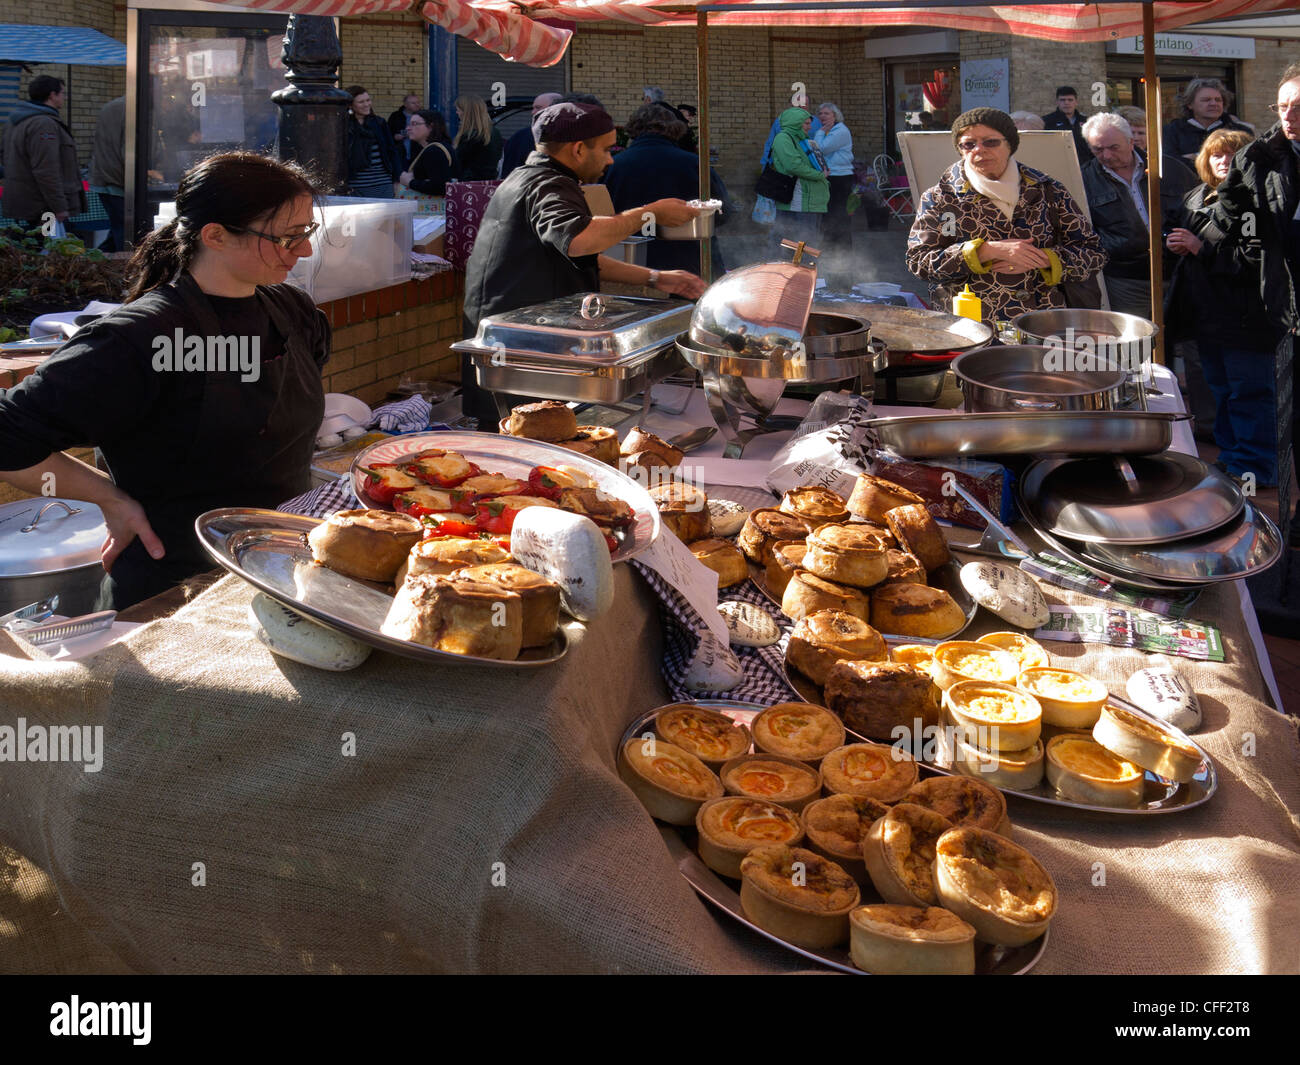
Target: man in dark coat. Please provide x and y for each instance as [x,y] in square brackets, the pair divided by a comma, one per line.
[42,182]
[1067,117]
[397,124]
[520,145]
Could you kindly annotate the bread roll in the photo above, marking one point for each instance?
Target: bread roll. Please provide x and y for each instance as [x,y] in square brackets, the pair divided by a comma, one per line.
[915,610]
[820,640]
[917,533]
[874,497]
[367,544]
[548,420]
[874,697]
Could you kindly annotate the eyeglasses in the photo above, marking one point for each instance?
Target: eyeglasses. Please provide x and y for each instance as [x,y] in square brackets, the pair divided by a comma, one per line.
[990,142]
[289,243]
[1285,109]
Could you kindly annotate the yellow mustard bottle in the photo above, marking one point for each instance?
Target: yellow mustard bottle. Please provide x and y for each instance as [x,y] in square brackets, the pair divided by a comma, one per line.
[968,305]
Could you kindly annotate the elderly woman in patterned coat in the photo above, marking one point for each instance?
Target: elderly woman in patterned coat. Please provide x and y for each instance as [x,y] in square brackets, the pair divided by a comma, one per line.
[1013,234]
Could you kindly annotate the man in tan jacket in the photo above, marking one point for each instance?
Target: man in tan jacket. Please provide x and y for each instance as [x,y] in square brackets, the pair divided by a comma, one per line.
[41,179]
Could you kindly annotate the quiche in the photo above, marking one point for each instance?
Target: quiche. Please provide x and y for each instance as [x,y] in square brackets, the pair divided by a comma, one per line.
[837,825]
[899,854]
[1013,770]
[890,940]
[872,770]
[1147,744]
[959,660]
[1068,699]
[731,827]
[1027,652]
[1082,770]
[803,731]
[780,780]
[712,737]
[962,801]
[797,895]
[996,886]
[671,783]
[995,717]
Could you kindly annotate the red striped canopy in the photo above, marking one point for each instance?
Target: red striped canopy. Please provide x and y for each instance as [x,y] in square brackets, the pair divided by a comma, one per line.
[512,29]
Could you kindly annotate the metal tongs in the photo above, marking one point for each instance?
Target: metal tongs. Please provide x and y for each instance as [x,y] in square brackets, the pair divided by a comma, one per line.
[998,540]
[29,616]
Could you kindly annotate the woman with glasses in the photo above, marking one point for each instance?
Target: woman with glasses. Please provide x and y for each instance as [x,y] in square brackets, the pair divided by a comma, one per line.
[1011,233]
[202,391]
[373,159]
[434,162]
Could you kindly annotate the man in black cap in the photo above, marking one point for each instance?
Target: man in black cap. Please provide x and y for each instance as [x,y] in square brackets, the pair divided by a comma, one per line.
[539,241]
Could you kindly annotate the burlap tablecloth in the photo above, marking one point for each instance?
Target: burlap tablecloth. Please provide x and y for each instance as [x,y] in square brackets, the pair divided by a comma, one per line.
[314,860]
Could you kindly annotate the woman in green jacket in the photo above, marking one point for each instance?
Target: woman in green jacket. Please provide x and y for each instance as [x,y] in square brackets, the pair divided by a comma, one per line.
[793,154]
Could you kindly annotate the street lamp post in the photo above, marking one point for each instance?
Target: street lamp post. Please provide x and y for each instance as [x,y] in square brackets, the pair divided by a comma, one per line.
[313,111]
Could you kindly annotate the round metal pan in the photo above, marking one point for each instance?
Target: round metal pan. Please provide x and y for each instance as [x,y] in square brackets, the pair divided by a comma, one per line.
[1023,377]
[1071,551]
[1245,547]
[908,331]
[1047,433]
[1092,500]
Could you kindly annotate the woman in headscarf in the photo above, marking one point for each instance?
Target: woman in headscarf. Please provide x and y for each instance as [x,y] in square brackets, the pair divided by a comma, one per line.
[1010,232]
[793,155]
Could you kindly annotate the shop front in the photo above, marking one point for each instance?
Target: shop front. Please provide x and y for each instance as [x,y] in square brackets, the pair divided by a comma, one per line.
[1180,57]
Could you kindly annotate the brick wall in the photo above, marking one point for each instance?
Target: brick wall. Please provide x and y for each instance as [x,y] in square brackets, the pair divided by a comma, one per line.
[388,55]
[1038,67]
[1259,76]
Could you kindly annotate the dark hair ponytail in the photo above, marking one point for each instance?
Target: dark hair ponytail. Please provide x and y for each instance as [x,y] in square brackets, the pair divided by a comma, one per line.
[234,189]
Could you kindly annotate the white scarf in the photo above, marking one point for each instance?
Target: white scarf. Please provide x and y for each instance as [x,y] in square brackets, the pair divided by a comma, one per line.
[1004,191]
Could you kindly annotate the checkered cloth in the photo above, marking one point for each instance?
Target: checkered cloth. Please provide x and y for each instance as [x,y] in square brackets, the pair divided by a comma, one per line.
[403,416]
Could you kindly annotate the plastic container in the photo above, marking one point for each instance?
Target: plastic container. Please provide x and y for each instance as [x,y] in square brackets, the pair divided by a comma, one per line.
[362,245]
[968,305]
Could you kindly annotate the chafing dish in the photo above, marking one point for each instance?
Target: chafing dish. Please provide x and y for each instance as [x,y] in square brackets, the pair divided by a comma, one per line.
[1031,433]
[591,348]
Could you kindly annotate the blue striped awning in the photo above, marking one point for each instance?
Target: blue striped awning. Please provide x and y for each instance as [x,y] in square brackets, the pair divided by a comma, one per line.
[60,44]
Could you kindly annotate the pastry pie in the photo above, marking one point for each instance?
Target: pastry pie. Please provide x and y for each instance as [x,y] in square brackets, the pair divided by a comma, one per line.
[684,508]
[816,506]
[540,597]
[462,617]
[807,593]
[733,826]
[639,442]
[836,827]
[797,895]
[672,784]
[875,698]
[915,610]
[892,940]
[903,568]
[786,781]
[1013,770]
[595,441]
[820,640]
[1068,699]
[802,731]
[874,497]
[996,717]
[960,660]
[1029,653]
[995,885]
[899,852]
[870,770]
[547,420]
[848,554]
[920,655]
[784,560]
[917,534]
[446,555]
[763,528]
[1082,770]
[712,737]
[961,800]
[724,558]
[367,544]
[1146,743]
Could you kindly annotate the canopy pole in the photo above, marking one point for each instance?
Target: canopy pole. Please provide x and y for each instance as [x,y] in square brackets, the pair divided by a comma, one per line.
[1154,150]
[702,75]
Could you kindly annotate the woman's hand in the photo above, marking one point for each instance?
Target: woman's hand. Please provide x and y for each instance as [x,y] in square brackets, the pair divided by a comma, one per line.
[681,283]
[1013,256]
[126,520]
[1184,242]
[406,177]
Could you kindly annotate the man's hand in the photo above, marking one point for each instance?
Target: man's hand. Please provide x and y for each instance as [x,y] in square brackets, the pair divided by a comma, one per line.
[1184,242]
[671,212]
[681,283]
[126,520]
[1013,256]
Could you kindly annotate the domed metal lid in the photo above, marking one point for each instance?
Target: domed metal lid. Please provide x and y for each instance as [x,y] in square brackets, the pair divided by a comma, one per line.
[47,535]
[757,310]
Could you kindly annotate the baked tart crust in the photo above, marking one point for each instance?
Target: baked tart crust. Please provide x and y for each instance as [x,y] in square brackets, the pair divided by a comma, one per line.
[672,784]
[959,660]
[807,905]
[712,737]
[899,852]
[996,717]
[872,770]
[803,731]
[772,778]
[1082,770]
[1069,699]
[1145,743]
[731,827]
[1028,652]
[995,885]
[961,800]
[891,940]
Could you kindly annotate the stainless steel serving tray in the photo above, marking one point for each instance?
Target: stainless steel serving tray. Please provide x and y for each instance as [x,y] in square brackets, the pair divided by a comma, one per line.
[269,549]
[522,373]
[1029,433]
[516,457]
[990,960]
[1172,497]
[1161,796]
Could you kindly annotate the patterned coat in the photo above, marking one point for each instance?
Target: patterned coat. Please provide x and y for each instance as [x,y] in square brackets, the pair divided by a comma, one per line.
[954,220]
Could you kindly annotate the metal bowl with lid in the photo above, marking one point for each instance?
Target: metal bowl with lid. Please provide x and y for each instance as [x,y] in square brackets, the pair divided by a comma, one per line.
[51,546]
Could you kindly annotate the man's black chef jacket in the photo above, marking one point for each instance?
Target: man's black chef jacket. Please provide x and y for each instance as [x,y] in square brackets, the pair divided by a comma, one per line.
[179,441]
[519,256]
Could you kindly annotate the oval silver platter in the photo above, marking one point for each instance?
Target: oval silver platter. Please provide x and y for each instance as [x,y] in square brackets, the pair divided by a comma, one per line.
[725,894]
[1160,797]
[933,436]
[268,548]
[947,577]
[514,456]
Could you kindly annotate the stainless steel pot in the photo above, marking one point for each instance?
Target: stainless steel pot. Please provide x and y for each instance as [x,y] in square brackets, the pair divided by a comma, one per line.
[757,311]
[1103,339]
[1032,378]
[51,546]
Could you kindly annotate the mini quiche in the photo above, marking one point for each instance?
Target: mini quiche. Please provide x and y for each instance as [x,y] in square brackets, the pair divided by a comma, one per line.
[733,826]
[836,827]
[803,731]
[672,784]
[995,717]
[1068,699]
[872,770]
[994,885]
[1012,770]
[1029,653]
[1147,744]
[1082,770]
[899,854]
[892,940]
[785,781]
[797,895]
[712,737]
[962,801]
[919,655]
[958,660]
